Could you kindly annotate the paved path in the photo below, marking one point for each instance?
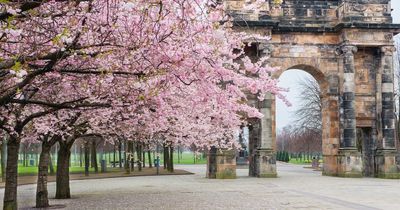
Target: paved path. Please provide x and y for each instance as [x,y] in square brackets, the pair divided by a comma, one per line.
[296,188]
[111,173]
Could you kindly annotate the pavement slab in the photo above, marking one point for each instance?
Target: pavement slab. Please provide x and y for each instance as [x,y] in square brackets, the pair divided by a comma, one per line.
[295,188]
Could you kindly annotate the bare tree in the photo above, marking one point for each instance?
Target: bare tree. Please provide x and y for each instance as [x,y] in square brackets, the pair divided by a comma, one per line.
[304,134]
[308,117]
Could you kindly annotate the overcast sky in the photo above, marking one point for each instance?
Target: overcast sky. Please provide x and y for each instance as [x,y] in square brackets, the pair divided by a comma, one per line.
[289,79]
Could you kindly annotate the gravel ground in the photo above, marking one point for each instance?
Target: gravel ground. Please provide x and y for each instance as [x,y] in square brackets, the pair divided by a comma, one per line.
[296,188]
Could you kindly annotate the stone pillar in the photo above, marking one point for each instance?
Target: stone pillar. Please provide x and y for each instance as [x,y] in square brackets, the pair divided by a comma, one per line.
[349,159]
[264,156]
[387,159]
[388,117]
[221,164]
[348,98]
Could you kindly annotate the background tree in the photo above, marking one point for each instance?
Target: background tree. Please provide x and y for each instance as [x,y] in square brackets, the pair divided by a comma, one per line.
[305,134]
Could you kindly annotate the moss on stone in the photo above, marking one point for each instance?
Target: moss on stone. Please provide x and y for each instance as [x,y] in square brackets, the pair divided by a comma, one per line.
[389,175]
[346,175]
[226,174]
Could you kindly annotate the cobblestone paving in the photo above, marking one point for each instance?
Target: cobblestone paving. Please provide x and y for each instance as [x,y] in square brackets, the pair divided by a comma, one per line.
[296,188]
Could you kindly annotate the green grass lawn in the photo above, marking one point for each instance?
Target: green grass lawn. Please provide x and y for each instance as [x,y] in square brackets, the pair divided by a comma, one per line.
[188,158]
[32,170]
[185,158]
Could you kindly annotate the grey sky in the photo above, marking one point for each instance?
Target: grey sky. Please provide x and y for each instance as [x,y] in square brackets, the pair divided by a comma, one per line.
[290,79]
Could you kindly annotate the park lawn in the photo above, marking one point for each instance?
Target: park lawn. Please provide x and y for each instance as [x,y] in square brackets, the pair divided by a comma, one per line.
[32,170]
[186,158]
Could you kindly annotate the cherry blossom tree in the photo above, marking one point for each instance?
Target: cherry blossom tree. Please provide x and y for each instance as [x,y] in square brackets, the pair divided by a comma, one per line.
[160,69]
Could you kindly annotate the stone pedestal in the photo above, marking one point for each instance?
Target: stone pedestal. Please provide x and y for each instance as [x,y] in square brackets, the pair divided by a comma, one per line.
[221,164]
[265,164]
[349,163]
[387,163]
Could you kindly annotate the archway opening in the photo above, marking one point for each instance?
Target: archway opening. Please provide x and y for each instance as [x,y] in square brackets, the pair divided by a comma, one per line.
[298,128]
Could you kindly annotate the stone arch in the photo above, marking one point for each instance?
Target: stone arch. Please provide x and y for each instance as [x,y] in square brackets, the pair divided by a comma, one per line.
[315,72]
[349,52]
[330,109]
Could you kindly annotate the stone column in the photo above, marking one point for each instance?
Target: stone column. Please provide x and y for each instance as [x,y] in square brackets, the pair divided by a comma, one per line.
[348,99]
[388,117]
[349,159]
[265,160]
[387,158]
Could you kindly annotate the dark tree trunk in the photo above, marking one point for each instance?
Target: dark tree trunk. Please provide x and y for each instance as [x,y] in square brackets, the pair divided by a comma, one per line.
[143,156]
[51,165]
[94,157]
[23,156]
[165,156]
[10,192]
[114,157]
[149,157]
[120,153]
[42,199]
[179,158]
[132,159]
[62,179]
[109,157]
[139,156]
[80,157]
[171,159]
[86,147]
[126,157]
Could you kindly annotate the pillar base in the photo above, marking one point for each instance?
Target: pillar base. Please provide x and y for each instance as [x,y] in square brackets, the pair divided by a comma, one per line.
[350,163]
[221,164]
[387,163]
[264,164]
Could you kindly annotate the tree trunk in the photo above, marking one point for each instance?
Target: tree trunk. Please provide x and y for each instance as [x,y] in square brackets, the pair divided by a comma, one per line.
[109,157]
[80,157]
[126,157]
[139,157]
[132,150]
[165,156]
[94,157]
[179,159]
[143,156]
[62,179]
[10,192]
[114,157]
[23,156]
[3,159]
[120,153]
[51,166]
[86,147]
[149,157]
[171,159]
[42,199]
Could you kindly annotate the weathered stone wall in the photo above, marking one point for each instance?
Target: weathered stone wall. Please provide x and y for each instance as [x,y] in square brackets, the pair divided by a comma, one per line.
[221,164]
[347,46]
[372,11]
